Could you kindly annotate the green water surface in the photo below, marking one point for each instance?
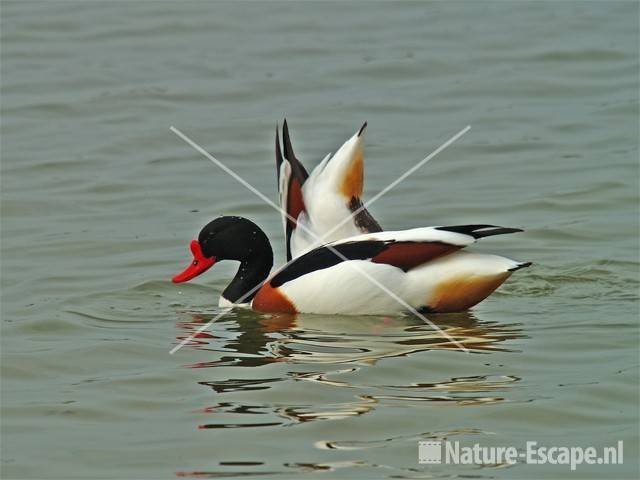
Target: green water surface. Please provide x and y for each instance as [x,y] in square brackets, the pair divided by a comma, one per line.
[100,200]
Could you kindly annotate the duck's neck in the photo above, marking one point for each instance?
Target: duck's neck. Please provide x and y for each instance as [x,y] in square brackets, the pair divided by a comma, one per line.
[253,271]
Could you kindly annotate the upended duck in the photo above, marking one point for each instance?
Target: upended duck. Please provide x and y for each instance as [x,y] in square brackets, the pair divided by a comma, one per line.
[424,267]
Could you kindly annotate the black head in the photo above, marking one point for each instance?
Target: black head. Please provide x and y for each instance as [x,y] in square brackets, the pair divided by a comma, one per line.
[231,238]
[227,238]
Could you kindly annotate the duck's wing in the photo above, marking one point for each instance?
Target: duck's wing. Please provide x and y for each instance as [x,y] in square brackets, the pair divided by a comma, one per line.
[327,203]
[332,198]
[291,177]
[404,249]
[414,265]
[333,194]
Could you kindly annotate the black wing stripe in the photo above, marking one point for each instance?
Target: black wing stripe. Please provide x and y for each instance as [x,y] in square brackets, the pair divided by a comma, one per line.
[297,168]
[480,231]
[323,257]
[402,255]
[363,219]
[279,158]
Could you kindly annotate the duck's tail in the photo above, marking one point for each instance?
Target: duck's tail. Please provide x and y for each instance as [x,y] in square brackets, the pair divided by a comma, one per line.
[481,230]
[520,265]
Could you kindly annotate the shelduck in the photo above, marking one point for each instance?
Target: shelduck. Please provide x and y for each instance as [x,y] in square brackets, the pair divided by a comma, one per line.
[423,267]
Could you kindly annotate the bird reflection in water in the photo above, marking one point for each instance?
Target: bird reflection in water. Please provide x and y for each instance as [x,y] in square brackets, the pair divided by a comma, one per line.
[253,339]
[304,352]
[248,340]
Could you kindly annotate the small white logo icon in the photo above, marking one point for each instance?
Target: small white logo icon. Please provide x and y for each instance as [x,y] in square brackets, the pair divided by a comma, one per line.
[430,452]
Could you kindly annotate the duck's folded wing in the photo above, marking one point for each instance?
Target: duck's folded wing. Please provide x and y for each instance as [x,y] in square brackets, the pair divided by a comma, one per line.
[291,177]
[404,250]
[423,268]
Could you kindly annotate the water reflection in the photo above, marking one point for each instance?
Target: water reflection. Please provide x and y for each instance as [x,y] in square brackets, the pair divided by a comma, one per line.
[246,339]
[257,340]
[453,392]
[286,415]
[413,438]
[317,368]
[293,469]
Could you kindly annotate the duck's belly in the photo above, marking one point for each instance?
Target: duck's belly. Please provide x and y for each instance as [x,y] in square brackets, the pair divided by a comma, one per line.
[354,287]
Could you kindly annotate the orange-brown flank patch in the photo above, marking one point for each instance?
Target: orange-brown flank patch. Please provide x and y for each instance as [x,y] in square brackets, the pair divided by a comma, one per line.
[269,299]
[461,294]
[408,255]
[353,180]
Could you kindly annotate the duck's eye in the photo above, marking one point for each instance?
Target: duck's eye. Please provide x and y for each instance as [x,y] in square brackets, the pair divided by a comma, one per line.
[195,263]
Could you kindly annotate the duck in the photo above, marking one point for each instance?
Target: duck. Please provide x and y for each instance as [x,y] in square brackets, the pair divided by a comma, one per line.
[321,205]
[383,272]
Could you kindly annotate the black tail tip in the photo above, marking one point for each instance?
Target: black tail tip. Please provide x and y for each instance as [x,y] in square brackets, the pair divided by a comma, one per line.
[495,231]
[521,265]
[362,128]
[480,231]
